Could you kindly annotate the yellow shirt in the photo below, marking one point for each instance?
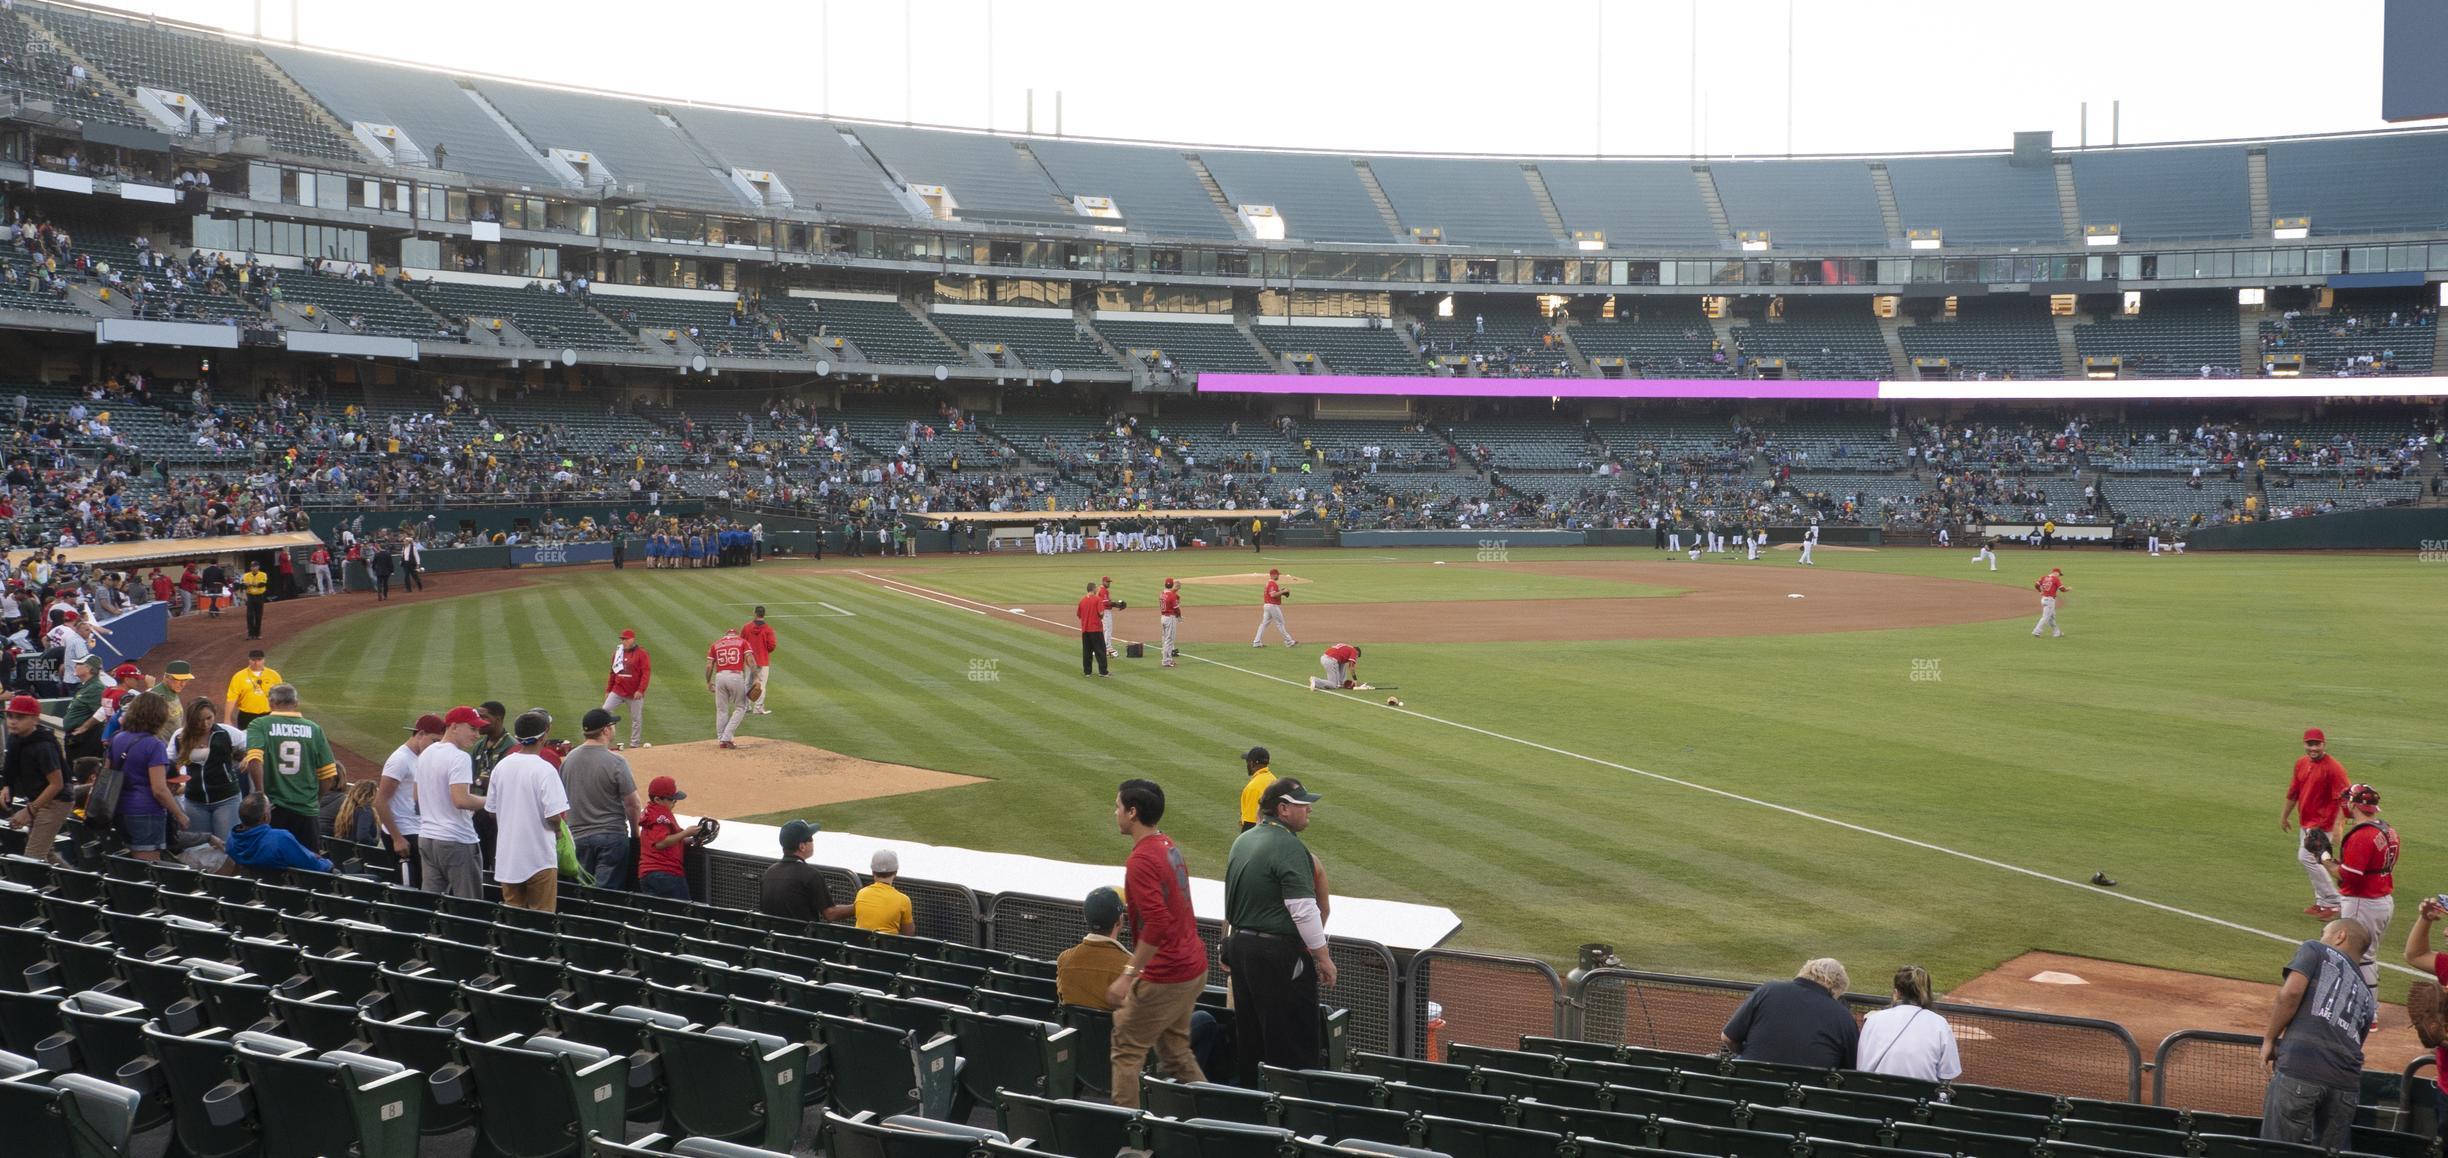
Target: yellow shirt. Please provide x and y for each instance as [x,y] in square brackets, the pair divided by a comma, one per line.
[881,908]
[247,690]
[255,581]
[1251,790]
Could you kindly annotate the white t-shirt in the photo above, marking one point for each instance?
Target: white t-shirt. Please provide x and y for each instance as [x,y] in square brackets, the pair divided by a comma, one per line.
[400,766]
[1908,1041]
[441,766]
[526,789]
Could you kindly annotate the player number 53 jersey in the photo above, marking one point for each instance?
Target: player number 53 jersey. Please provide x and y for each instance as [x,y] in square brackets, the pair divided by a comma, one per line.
[730,653]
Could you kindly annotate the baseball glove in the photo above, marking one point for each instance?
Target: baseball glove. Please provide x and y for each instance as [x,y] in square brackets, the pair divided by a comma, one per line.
[2316,841]
[756,692]
[1120,605]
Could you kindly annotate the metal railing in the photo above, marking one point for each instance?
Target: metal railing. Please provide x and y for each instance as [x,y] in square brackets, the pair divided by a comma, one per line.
[2201,1069]
[1480,999]
[2071,1056]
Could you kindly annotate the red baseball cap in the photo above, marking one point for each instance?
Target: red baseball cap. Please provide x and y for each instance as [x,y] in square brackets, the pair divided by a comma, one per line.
[464,714]
[665,787]
[126,671]
[68,617]
[2314,736]
[428,724]
[24,706]
[628,634]
[1106,579]
[1273,572]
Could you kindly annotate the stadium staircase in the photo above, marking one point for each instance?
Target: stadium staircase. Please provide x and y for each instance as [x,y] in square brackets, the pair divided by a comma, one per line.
[2067,351]
[1717,218]
[1890,329]
[315,111]
[1249,332]
[2256,172]
[1580,362]
[2248,340]
[965,353]
[2069,211]
[1215,193]
[1888,214]
[1546,203]
[1377,197]
[2439,346]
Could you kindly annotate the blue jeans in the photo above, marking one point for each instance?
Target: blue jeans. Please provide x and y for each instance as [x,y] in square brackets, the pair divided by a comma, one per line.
[217,819]
[605,856]
[670,885]
[146,832]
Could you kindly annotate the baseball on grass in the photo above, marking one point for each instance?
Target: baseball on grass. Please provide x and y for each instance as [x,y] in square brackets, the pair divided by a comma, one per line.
[1391,702]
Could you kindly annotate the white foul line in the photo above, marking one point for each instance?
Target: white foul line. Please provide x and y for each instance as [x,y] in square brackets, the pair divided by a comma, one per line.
[2085,888]
[916,592]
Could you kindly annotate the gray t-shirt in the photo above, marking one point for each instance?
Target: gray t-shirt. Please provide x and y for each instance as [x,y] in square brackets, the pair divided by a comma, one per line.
[597,779]
[2324,1043]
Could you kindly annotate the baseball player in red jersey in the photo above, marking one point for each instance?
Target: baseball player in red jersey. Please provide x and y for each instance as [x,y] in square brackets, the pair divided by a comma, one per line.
[1272,601]
[760,635]
[2312,800]
[727,674]
[1342,664]
[1105,591]
[1093,608]
[1168,618]
[625,690]
[2049,587]
[2365,868]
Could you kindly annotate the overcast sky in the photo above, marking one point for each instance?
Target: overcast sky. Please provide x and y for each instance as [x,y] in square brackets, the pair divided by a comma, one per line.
[1432,75]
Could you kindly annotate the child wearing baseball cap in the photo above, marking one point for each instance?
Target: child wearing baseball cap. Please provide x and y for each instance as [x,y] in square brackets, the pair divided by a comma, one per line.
[661,841]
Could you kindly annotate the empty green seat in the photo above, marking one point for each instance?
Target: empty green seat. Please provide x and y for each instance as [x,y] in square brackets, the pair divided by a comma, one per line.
[1412,1099]
[1488,1057]
[187,1066]
[1066,1125]
[1324,1085]
[1033,1057]
[73,1115]
[1223,1103]
[889,1070]
[1339,1122]
[729,1083]
[1208,1138]
[861,1135]
[302,1104]
[1814,1124]
[1470,1138]
[539,1096]
[422,1042]
[1694,1138]
[1441,1075]
[1561,1091]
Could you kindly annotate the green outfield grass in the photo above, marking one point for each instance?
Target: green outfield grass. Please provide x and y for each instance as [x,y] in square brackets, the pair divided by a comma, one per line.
[2152,743]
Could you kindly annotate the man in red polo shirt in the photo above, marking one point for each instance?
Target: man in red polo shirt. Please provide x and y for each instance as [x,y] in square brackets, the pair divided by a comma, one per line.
[1342,664]
[2312,798]
[1093,652]
[1153,998]
[2365,867]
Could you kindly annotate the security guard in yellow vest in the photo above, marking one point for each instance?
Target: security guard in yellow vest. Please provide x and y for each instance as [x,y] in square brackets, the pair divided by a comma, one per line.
[258,588]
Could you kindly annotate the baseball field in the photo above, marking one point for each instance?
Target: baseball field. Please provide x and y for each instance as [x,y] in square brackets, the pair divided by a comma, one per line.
[1616,745]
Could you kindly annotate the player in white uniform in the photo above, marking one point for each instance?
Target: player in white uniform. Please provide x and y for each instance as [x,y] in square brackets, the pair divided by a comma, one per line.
[1985,553]
[1809,541]
[1751,545]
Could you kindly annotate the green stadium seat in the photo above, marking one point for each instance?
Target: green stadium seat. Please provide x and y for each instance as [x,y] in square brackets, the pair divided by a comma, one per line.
[301,1104]
[1412,1099]
[2393,1143]
[1686,1107]
[1439,1075]
[1094,1047]
[1212,1100]
[187,1067]
[538,1096]
[621,1030]
[1487,1057]
[1753,1089]
[1876,1107]
[889,1070]
[160,984]
[1962,1143]
[28,1018]
[425,1043]
[99,1034]
[1015,1053]
[2119,1136]
[699,1006]
[1066,1125]
[861,1135]
[1559,1091]
[233,998]
[1618,1128]
[1324,1086]
[322,1019]
[1473,1138]
[2233,1146]
[73,1115]
[1208,1138]
[1695,1138]
[729,1083]
[2011,1125]
[1012,1005]
[1814,1124]
[1314,1119]
[1316,1147]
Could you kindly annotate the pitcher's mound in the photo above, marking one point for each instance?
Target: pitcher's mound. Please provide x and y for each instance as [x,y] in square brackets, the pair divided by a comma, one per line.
[763,776]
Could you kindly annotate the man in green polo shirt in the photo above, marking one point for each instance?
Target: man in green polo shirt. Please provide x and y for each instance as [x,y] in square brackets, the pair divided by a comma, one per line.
[1277,950]
[82,719]
[290,761]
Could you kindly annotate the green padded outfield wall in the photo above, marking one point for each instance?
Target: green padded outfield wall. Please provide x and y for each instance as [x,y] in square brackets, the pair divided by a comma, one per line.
[2381,529]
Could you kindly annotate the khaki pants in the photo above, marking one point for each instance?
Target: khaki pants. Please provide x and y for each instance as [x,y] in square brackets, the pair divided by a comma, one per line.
[1158,1016]
[539,892]
[42,828]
